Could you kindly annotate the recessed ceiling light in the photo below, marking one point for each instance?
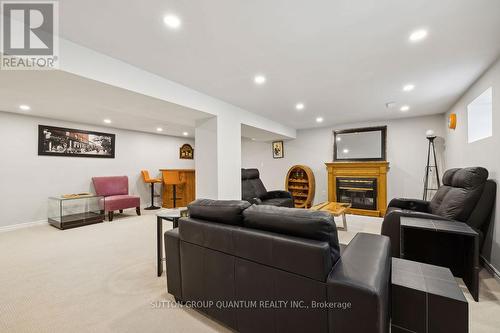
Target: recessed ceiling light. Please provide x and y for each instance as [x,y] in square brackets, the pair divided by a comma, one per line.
[159,129]
[172,21]
[185,133]
[24,107]
[107,121]
[418,35]
[405,108]
[408,87]
[319,119]
[259,79]
[300,106]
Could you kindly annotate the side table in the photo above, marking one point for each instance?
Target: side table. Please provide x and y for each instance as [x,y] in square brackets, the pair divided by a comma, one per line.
[450,244]
[426,299]
[173,215]
[64,212]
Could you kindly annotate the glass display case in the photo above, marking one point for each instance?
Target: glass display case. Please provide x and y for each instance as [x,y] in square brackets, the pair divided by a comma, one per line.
[74,211]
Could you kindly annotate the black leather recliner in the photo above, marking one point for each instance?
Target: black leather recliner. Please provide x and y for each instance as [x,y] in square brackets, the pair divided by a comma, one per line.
[466,196]
[254,191]
[275,269]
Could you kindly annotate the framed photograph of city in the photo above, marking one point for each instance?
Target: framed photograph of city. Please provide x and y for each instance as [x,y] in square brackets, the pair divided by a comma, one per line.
[58,141]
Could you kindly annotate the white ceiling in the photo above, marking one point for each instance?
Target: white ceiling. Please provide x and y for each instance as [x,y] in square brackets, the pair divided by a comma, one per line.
[60,95]
[343,58]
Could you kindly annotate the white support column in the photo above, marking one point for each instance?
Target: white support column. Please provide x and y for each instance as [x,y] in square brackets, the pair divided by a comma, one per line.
[206,159]
[229,156]
[218,158]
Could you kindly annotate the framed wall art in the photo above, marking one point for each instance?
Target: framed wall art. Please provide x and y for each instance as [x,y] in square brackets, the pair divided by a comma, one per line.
[60,141]
[278,149]
[186,152]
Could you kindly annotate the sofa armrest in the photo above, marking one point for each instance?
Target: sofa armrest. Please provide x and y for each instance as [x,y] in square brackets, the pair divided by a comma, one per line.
[359,285]
[410,204]
[392,222]
[173,262]
[276,194]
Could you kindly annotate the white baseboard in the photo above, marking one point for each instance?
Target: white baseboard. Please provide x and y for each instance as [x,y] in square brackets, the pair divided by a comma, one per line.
[22,225]
[489,267]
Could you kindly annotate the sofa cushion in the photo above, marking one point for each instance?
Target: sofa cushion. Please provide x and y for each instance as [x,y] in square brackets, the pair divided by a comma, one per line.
[448,176]
[251,185]
[279,202]
[459,194]
[258,187]
[221,211]
[469,178]
[309,258]
[294,222]
[247,190]
[117,202]
[116,185]
[249,174]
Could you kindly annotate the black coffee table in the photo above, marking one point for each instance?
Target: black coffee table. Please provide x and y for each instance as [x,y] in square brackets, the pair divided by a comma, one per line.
[427,299]
[443,243]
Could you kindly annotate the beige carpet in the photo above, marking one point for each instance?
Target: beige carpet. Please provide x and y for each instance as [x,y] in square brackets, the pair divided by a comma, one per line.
[102,278]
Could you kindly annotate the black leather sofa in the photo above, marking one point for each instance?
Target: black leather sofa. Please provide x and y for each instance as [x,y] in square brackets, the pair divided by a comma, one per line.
[254,191]
[466,196]
[232,261]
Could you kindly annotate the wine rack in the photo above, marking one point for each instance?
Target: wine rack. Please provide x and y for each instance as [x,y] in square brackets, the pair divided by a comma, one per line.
[300,182]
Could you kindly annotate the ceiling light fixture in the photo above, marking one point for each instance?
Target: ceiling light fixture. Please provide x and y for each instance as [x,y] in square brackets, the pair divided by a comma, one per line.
[107,121]
[259,79]
[319,119]
[159,129]
[405,108]
[418,35]
[300,106]
[24,107]
[172,21]
[185,133]
[409,87]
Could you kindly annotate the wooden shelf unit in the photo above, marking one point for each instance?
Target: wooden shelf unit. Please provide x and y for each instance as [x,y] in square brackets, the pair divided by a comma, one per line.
[300,182]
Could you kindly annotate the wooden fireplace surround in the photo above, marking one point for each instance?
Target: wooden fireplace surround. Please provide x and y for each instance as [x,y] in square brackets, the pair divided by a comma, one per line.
[375,169]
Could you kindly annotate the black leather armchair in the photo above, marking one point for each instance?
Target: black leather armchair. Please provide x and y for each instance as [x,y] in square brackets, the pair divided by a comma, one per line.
[228,252]
[254,191]
[465,196]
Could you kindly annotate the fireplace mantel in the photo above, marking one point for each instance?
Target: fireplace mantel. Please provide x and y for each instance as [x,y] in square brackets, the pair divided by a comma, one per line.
[375,169]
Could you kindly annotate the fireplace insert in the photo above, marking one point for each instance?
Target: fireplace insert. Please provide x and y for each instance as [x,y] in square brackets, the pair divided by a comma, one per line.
[361,193]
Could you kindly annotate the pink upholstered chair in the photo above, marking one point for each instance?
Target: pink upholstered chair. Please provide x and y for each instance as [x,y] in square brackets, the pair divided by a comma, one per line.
[116,197]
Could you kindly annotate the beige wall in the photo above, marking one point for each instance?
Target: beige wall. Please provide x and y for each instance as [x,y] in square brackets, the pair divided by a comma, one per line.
[460,153]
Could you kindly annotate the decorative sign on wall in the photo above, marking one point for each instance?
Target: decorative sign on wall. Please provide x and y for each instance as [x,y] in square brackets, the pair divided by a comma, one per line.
[278,149]
[59,141]
[186,152]
[452,121]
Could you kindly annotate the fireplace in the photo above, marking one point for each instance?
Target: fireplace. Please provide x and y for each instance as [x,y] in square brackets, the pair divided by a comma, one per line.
[363,184]
[361,193]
